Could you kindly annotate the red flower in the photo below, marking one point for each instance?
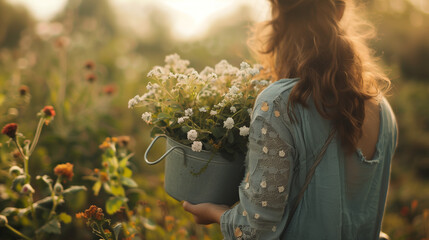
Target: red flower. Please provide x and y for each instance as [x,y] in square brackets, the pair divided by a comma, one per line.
[91,77]
[10,130]
[65,170]
[23,90]
[49,111]
[90,65]
[109,89]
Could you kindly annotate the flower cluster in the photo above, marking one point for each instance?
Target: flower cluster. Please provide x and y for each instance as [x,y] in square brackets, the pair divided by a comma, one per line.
[64,170]
[93,212]
[207,110]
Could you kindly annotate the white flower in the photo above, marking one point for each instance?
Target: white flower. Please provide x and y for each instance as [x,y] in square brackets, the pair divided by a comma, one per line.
[188,112]
[244,65]
[147,117]
[203,109]
[180,120]
[234,90]
[172,58]
[133,101]
[213,112]
[197,146]
[244,131]
[228,123]
[233,109]
[192,135]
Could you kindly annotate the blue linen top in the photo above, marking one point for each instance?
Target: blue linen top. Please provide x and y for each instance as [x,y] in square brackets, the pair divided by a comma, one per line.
[346,196]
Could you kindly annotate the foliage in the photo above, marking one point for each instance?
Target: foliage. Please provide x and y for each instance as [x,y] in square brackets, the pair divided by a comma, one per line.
[40,217]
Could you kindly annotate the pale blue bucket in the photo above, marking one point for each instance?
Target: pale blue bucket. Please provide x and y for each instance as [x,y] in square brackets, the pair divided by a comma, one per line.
[199,177]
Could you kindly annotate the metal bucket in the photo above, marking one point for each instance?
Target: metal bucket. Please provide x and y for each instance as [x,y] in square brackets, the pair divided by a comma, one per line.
[199,177]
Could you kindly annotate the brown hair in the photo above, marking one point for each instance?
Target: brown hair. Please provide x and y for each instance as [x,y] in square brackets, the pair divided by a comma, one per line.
[308,39]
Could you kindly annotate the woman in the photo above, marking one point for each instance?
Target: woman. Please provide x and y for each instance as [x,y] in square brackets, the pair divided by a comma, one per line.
[329,83]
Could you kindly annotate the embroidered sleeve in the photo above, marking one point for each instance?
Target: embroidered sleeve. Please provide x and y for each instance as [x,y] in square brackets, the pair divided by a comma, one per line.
[265,188]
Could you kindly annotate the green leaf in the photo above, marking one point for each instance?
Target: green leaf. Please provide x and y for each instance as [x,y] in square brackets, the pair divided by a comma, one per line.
[163,116]
[8,211]
[155,131]
[117,229]
[52,226]
[218,132]
[96,188]
[73,190]
[128,182]
[127,172]
[117,189]
[18,182]
[230,138]
[124,161]
[65,218]
[45,179]
[113,204]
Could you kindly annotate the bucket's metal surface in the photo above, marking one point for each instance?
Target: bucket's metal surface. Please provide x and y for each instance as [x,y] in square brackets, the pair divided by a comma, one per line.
[217,183]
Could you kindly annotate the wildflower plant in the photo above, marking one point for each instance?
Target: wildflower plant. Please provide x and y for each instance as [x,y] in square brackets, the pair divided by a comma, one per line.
[38,218]
[208,110]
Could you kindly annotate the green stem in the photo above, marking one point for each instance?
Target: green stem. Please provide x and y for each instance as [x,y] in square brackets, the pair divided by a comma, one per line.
[27,175]
[54,200]
[33,211]
[36,136]
[17,232]
[100,227]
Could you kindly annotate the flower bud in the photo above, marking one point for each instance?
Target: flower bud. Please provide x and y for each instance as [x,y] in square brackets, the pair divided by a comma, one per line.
[58,188]
[15,171]
[27,189]
[3,220]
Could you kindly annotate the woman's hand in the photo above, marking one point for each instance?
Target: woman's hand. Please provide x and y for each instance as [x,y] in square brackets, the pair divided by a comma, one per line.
[205,213]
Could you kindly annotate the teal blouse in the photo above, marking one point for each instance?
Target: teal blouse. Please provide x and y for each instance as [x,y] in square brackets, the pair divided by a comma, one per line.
[347,194]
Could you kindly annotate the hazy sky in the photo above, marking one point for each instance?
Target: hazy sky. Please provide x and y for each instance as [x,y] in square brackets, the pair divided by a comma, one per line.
[194,14]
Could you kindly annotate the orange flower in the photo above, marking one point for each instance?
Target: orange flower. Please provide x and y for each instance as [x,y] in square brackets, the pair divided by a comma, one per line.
[109,89]
[10,130]
[49,111]
[65,170]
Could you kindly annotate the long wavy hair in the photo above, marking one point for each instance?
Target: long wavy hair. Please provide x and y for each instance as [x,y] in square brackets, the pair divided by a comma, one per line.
[311,40]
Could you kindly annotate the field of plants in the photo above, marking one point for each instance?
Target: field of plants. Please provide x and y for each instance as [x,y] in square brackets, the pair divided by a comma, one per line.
[71,152]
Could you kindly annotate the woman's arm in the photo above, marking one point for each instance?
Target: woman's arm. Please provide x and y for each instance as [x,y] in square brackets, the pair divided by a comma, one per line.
[265,188]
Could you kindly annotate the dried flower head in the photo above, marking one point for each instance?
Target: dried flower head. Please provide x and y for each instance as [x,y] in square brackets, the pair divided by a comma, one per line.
[90,65]
[10,130]
[64,170]
[123,141]
[23,90]
[91,77]
[93,212]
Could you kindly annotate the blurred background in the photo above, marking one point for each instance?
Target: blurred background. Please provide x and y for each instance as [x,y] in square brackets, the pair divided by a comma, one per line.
[47,46]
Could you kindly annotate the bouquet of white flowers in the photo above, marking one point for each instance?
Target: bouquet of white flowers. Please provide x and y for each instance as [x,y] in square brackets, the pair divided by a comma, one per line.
[207,110]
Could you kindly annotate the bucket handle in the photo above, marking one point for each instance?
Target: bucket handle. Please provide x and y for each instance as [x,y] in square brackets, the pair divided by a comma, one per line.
[163,156]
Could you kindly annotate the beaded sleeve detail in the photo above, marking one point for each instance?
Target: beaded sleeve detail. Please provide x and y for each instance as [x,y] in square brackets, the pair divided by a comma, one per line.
[265,188]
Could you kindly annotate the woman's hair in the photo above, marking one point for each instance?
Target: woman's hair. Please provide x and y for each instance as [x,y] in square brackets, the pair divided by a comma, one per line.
[310,39]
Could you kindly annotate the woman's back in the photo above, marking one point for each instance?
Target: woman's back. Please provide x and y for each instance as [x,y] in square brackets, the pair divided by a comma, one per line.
[346,197]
